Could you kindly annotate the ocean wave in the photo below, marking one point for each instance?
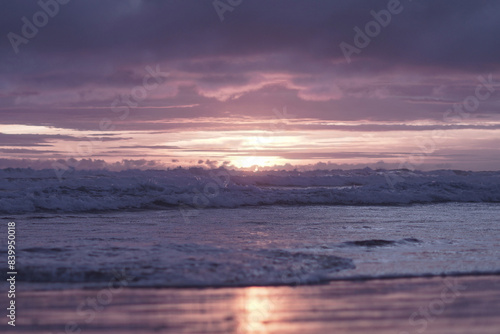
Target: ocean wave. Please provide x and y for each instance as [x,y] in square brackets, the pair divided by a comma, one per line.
[246,268]
[31,191]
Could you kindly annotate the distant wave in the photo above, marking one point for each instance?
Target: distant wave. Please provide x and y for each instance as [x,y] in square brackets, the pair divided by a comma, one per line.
[29,191]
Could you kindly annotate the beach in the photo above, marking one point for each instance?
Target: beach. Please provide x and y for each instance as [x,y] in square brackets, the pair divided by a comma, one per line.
[250,167]
[288,268]
[469,304]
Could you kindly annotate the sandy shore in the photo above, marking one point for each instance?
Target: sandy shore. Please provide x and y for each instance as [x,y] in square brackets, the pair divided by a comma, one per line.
[469,305]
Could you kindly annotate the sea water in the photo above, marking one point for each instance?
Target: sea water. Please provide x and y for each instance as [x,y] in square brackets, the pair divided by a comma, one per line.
[187,228]
[271,245]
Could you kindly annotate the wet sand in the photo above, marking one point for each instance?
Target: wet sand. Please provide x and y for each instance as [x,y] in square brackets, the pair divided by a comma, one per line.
[469,305]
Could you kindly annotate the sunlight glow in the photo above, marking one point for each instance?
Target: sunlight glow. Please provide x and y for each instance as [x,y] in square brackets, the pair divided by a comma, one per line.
[247,162]
[256,310]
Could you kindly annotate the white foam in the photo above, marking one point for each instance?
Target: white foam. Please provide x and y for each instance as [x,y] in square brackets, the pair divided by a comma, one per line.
[27,190]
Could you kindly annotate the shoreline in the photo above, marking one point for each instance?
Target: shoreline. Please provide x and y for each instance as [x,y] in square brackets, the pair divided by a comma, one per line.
[325,282]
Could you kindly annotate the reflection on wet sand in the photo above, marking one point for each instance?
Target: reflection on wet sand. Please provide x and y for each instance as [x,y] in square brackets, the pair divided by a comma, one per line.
[256,308]
[434,305]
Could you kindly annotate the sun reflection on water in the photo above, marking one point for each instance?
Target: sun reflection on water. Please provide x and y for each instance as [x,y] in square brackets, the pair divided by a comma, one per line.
[256,310]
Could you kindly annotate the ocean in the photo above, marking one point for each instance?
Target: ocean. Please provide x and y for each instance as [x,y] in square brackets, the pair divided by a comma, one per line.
[218,228]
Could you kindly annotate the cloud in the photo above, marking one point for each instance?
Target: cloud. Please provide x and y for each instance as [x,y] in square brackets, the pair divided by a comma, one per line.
[81,164]
[153,147]
[264,55]
[45,140]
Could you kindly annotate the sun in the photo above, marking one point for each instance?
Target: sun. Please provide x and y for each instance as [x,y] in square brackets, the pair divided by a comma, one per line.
[251,161]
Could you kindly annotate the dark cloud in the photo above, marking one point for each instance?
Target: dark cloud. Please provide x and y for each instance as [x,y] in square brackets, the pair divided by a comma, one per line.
[154,147]
[85,164]
[24,151]
[444,33]
[44,139]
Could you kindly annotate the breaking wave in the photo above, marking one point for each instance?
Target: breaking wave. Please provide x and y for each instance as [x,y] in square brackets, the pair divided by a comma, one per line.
[264,267]
[29,191]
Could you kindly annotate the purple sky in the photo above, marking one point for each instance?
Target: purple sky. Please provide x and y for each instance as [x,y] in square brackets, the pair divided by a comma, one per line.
[168,83]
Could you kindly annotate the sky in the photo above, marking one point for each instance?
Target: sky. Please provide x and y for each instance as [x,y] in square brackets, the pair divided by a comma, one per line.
[250,84]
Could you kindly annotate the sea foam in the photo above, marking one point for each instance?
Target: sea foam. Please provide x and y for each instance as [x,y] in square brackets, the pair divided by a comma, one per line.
[28,191]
